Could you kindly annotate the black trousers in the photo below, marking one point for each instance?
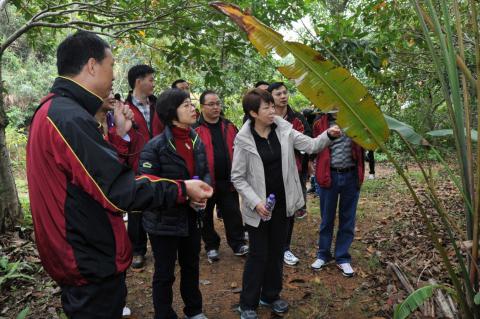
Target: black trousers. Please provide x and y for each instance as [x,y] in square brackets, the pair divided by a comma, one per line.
[371,162]
[101,300]
[263,272]
[137,234]
[227,201]
[165,250]
[291,220]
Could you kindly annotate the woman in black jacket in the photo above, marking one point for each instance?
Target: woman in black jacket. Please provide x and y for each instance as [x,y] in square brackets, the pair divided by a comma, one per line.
[177,153]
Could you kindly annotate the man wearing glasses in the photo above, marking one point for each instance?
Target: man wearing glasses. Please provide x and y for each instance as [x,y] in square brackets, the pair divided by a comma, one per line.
[218,134]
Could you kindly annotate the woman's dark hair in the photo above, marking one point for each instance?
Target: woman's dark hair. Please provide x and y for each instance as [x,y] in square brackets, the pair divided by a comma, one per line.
[138,72]
[204,94]
[252,100]
[168,102]
[73,53]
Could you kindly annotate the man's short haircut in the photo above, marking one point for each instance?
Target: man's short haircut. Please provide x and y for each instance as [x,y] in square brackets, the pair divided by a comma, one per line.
[138,72]
[168,102]
[204,94]
[174,84]
[252,100]
[261,83]
[276,86]
[75,51]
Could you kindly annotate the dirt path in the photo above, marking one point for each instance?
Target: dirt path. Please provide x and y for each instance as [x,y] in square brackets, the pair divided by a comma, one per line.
[322,294]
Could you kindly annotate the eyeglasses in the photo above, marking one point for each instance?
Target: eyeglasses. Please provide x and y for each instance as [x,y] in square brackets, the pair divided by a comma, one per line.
[212,104]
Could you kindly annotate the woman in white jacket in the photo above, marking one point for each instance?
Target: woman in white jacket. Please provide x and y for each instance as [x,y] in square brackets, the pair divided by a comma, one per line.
[264,164]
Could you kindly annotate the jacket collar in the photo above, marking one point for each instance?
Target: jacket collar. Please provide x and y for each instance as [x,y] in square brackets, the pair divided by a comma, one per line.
[245,138]
[69,88]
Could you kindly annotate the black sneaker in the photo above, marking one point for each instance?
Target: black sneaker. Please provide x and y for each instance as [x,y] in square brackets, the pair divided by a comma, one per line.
[278,306]
[212,255]
[242,251]
[138,262]
[247,314]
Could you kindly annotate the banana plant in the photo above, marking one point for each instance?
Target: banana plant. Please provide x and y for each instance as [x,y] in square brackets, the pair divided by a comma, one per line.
[331,87]
[326,85]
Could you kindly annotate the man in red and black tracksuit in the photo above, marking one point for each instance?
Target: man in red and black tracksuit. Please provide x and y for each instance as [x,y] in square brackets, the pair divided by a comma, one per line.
[78,188]
[280,96]
[218,134]
[147,125]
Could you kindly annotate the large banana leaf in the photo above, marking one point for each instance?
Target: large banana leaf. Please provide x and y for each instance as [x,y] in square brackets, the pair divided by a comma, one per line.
[449,132]
[406,131]
[327,86]
[416,299]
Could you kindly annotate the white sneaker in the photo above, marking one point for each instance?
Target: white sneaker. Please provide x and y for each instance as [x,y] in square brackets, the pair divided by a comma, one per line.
[318,264]
[346,269]
[126,312]
[371,176]
[289,258]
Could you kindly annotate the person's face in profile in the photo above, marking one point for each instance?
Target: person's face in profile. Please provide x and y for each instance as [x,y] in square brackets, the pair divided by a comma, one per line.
[146,84]
[102,73]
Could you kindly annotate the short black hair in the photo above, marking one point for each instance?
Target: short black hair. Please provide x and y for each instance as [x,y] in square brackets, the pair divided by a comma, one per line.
[174,84]
[252,100]
[204,94]
[168,102]
[276,86]
[261,83]
[138,72]
[73,53]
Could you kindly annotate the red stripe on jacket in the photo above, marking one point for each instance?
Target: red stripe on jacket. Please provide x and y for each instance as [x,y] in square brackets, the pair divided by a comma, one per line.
[322,167]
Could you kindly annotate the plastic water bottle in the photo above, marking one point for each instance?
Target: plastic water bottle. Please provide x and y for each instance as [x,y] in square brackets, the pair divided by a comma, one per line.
[270,204]
[198,209]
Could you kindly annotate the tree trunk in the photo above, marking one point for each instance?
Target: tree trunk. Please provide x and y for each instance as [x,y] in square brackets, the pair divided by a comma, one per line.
[10,209]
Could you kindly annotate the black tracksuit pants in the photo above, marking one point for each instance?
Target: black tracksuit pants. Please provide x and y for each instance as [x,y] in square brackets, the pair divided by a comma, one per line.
[99,300]
[227,201]
[137,234]
[263,272]
[165,250]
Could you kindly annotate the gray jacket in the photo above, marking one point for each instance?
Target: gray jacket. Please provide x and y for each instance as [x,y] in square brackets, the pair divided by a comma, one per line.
[248,174]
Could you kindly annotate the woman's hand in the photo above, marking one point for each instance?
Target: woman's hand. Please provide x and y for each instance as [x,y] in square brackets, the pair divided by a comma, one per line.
[197,190]
[262,210]
[334,131]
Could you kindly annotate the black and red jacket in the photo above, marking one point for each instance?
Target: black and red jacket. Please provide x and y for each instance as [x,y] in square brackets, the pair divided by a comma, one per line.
[229,132]
[140,135]
[78,190]
[322,166]
[299,124]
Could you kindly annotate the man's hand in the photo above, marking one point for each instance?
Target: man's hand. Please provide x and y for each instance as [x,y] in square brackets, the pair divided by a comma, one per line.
[122,117]
[334,131]
[198,191]
[262,210]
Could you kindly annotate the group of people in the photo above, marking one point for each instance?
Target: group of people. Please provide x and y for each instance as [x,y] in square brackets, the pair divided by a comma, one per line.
[92,158]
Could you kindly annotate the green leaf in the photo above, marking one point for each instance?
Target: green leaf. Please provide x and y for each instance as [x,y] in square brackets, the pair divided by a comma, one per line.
[406,131]
[476,299]
[413,301]
[23,314]
[447,132]
[327,86]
